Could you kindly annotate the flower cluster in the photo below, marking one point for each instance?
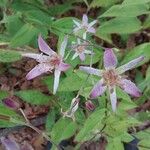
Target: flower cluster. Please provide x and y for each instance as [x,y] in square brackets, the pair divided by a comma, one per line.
[111,76]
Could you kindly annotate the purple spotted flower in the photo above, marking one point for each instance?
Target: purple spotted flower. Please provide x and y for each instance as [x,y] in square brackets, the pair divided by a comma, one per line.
[88,27]
[48,61]
[80,50]
[111,77]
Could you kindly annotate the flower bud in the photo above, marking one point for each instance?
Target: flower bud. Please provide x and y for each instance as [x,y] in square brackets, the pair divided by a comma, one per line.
[10,103]
[89,105]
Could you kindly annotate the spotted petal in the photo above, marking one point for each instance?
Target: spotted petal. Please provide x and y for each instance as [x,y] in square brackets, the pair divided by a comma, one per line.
[63,66]
[130,88]
[130,65]
[98,89]
[91,70]
[113,98]
[110,60]
[56,80]
[44,47]
[38,70]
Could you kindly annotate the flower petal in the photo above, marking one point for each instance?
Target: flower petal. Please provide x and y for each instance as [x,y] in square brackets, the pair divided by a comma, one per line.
[110,60]
[98,89]
[87,52]
[82,56]
[90,70]
[84,35]
[44,47]
[113,98]
[91,30]
[56,80]
[92,23]
[129,65]
[76,29]
[31,55]
[63,46]
[77,23]
[130,88]
[38,70]
[9,144]
[85,20]
[63,66]
[75,55]
[38,57]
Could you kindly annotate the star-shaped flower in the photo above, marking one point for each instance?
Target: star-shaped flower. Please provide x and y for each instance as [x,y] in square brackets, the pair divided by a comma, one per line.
[48,61]
[111,77]
[88,27]
[80,50]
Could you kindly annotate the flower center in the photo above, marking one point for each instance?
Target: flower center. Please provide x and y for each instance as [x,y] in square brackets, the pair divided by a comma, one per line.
[81,48]
[111,77]
[55,60]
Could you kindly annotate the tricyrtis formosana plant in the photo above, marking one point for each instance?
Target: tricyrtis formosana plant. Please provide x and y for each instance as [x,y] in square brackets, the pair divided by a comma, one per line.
[95,89]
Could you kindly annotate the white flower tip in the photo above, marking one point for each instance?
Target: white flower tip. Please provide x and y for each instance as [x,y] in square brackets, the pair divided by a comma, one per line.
[29,77]
[81,68]
[142,58]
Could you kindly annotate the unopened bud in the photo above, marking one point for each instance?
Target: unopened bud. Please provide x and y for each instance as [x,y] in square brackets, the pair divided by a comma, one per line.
[10,103]
[89,105]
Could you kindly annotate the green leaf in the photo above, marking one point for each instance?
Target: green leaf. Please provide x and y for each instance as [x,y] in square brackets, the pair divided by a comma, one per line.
[145,143]
[115,144]
[39,17]
[63,129]
[6,112]
[125,10]
[5,124]
[119,25]
[93,121]
[50,121]
[33,97]
[126,102]
[71,83]
[140,50]
[48,80]
[3,3]
[13,23]
[3,94]
[9,56]
[102,3]
[146,23]
[24,35]
[135,2]
[59,9]
[64,25]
